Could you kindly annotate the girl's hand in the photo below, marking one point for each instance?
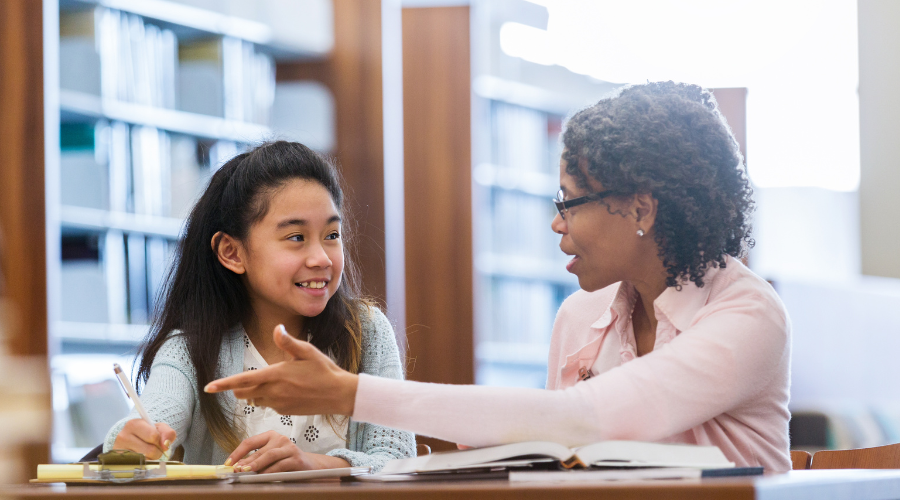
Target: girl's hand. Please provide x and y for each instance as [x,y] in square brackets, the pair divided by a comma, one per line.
[277,453]
[139,436]
[309,384]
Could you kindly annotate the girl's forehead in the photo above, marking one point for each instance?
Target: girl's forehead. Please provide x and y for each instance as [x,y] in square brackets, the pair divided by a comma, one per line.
[301,198]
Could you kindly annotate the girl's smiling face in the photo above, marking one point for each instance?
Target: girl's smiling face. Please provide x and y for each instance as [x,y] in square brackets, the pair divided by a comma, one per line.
[293,258]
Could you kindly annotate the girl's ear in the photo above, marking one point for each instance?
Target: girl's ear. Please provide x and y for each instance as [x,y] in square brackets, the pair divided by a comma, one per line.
[229,251]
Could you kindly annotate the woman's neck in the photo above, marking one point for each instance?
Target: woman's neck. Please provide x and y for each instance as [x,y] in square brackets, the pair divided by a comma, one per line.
[643,317]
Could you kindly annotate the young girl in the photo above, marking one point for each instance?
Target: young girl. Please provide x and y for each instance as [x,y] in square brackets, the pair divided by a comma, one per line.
[263,248]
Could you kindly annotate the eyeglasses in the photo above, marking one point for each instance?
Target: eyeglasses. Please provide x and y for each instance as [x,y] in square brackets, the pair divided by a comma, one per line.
[564,205]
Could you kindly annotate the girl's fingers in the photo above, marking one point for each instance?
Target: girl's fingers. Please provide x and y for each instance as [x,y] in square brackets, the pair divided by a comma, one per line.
[246,446]
[167,435]
[269,457]
[136,444]
[285,465]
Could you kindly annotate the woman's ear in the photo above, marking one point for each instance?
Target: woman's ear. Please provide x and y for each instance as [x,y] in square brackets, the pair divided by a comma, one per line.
[645,207]
[229,251]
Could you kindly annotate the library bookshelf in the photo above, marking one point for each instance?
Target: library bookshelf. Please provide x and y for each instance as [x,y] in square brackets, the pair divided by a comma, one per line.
[519,269]
[143,100]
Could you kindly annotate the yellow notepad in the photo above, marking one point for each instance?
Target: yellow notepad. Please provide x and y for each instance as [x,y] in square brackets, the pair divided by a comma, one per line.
[120,474]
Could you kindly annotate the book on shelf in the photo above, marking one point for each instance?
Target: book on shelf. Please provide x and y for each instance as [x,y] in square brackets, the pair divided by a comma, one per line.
[226,77]
[520,137]
[201,80]
[521,225]
[138,61]
[120,199]
[115,270]
[138,311]
[249,82]
[151,173]
[605,454]
[159,257]
[189,174]
[82,280]
[79,59]
[84,173]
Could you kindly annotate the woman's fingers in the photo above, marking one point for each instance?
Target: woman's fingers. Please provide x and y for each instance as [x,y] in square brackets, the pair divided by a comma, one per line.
[241,380]
[256,393]
[296,349]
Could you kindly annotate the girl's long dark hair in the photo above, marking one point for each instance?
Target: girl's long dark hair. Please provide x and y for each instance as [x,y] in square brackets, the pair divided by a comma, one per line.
[204,301]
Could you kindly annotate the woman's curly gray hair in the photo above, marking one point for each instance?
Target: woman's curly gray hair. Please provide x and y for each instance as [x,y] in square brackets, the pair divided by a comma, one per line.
[669,139]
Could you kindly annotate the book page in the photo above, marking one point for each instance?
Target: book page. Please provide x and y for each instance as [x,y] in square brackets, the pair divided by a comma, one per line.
[640,454]
[467,458]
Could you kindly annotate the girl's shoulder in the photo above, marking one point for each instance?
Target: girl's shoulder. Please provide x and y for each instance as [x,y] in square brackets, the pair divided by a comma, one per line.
[175,350]
[375,325]
[378,339]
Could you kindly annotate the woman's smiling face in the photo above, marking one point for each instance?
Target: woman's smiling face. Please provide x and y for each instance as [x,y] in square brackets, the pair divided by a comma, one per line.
[294,254]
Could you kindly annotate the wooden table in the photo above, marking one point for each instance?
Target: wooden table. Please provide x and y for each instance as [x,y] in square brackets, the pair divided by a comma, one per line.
[797,485]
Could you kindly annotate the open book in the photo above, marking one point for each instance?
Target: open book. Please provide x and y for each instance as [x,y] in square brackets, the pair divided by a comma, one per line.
[602,454]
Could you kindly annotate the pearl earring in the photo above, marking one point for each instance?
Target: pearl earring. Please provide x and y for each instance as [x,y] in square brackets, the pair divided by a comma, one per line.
[640,232]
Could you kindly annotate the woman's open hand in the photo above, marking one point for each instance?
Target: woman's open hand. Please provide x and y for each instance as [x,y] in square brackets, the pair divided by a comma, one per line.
[309,384]
[277,453]
[139,436]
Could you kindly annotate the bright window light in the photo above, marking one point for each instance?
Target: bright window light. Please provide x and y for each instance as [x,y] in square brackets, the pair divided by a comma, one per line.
[798,60]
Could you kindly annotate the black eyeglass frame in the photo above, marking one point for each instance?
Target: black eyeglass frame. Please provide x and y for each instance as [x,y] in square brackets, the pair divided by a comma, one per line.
[563,206]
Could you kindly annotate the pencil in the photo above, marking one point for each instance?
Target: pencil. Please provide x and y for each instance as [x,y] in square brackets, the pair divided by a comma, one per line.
[132,394]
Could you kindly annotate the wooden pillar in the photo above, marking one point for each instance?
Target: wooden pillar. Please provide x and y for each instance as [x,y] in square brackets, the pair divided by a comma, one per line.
[353,74]
[23,278]
[438,192]
[437,167]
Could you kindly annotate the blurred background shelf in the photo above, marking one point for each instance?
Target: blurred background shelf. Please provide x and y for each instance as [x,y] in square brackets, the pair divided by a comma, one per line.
[525,268]
[81,106]
[513,353]
[100,333]
[534,183]
[523,94]
[189,22]
[101,220]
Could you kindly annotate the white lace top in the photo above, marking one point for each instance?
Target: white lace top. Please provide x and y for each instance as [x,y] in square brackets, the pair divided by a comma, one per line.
[311,433]
[171,395]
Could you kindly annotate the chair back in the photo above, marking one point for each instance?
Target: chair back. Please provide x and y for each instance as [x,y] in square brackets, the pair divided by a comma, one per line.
[879,457]
[800,460]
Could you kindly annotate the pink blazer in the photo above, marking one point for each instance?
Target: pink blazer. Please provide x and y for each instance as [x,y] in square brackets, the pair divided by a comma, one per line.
[719,374]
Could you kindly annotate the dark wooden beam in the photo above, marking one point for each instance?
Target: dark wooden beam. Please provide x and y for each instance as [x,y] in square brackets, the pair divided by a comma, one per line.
[438,193]
[23,269]
[437,161]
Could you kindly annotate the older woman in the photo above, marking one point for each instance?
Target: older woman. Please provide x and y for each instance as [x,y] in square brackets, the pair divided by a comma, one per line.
[671,338]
